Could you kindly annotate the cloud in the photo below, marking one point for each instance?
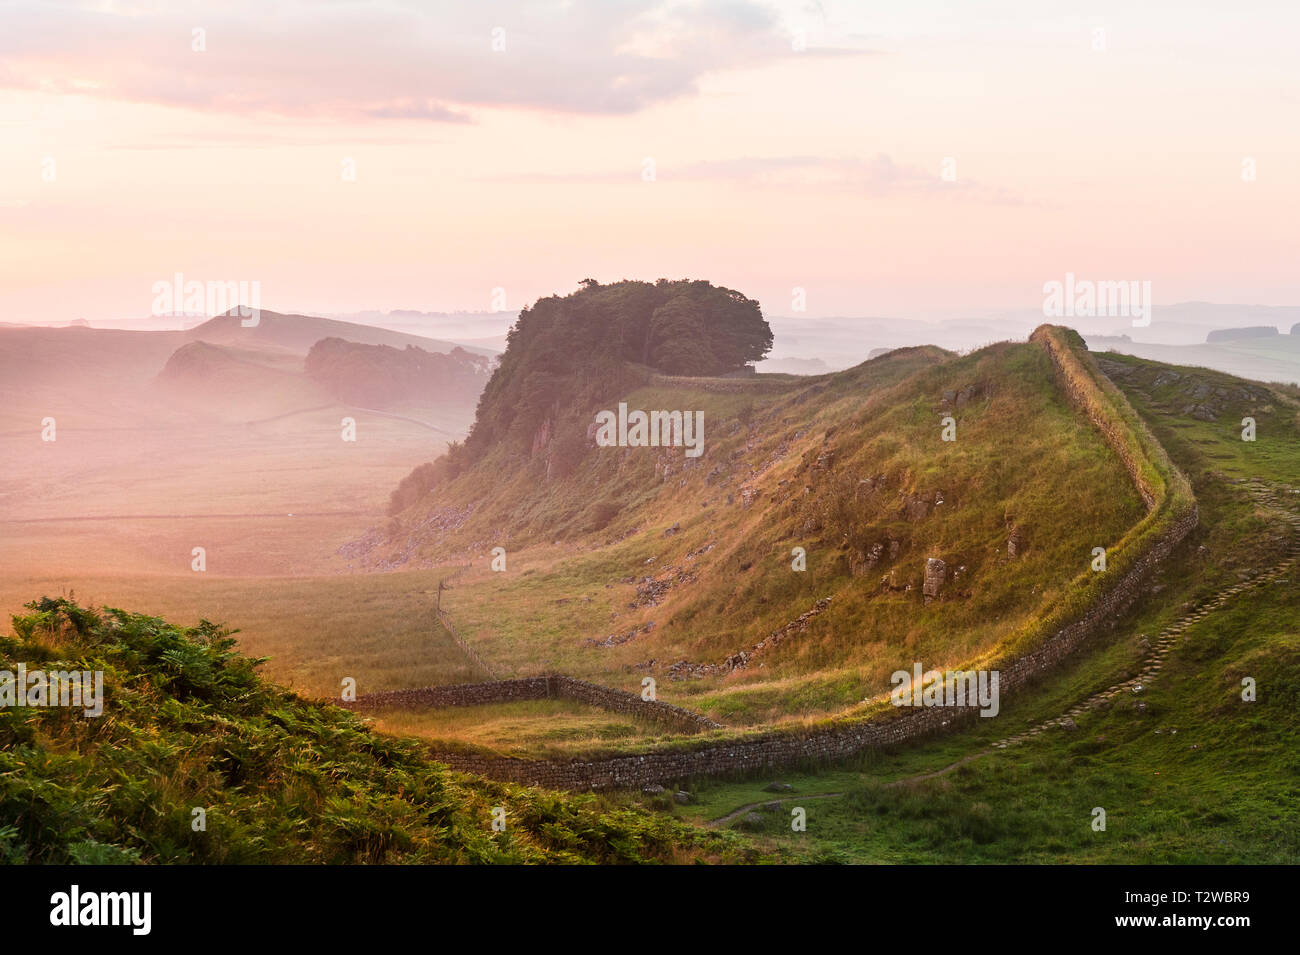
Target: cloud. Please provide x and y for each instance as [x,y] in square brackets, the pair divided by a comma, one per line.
[392,59]
[873,175]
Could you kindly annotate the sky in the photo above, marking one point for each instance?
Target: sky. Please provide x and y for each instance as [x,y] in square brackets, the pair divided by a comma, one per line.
[914,159]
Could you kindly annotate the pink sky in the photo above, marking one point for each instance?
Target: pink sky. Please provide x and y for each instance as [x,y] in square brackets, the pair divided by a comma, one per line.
[521,168]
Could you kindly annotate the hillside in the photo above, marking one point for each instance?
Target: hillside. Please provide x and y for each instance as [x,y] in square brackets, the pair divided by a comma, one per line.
[1152,724]
[188,724]
[299,332]
[626,562]
[236,383]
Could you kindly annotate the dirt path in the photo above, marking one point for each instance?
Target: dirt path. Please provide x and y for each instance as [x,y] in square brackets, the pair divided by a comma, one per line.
[737,813]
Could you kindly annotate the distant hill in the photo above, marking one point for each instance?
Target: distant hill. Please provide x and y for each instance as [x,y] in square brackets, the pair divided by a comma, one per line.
[1273,358]
[380,376]
[235,383]
[57,370]
[300,332]
[72,357]
[1233,334]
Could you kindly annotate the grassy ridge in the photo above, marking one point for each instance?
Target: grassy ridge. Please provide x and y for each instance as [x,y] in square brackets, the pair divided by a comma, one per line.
[1163,486]
[836,465]
[858,439]
[1187,771]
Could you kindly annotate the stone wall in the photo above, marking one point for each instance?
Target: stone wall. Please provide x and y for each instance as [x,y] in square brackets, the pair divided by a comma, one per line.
[460,694]
[824,744]
[538,688]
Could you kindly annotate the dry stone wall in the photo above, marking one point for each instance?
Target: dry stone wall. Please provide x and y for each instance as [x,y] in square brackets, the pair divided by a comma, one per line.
[538,688]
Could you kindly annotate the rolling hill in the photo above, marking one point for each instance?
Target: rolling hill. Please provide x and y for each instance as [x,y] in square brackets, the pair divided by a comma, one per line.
[826,536]
[299,332]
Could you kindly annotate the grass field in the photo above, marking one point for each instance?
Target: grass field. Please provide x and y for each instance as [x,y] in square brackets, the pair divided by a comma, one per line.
[114,507]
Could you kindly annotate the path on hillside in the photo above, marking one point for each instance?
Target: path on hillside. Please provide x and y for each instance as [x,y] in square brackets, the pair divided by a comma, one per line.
[1264,494]
[402,417]
[737,813]
[290,414]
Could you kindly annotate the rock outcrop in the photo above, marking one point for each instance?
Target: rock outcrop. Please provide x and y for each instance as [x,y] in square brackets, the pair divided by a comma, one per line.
[936,572]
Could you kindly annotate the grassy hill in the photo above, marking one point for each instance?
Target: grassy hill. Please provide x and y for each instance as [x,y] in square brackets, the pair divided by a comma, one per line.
[236,383]
[1186,769]
[627,562]
[299,332]
[188,724]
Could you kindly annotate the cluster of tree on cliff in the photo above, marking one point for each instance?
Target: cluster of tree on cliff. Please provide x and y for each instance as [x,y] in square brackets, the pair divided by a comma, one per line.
[566,352]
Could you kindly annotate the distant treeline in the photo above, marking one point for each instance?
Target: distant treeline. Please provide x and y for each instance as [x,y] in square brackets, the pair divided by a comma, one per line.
[379,376]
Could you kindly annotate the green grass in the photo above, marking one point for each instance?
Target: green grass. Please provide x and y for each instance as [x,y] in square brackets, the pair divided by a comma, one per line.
[1198,777]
